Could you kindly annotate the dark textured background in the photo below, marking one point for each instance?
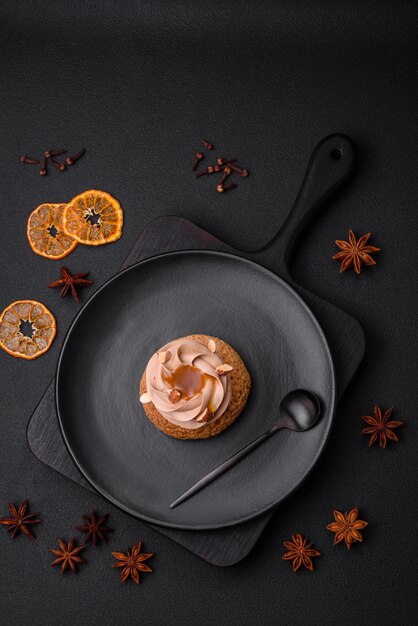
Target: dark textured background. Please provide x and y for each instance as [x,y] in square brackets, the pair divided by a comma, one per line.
[138,84]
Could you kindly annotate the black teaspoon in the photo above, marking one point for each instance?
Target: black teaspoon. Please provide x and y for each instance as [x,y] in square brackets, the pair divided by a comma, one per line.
[299,410]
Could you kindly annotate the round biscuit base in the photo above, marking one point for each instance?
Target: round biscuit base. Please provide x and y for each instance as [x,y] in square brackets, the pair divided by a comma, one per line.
[240,383]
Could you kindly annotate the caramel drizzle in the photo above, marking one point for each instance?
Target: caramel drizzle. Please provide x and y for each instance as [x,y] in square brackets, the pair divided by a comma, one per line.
[187,379]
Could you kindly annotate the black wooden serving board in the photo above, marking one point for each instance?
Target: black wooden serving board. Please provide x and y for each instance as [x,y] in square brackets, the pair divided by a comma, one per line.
[220,547]
[225,546]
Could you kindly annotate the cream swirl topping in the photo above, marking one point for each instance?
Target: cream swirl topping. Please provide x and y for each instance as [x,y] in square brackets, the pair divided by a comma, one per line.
[190,368]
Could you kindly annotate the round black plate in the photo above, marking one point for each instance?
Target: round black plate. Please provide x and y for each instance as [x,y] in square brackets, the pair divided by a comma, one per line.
[123,455]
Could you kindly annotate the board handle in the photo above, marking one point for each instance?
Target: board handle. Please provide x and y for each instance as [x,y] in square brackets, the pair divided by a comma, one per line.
[330,165]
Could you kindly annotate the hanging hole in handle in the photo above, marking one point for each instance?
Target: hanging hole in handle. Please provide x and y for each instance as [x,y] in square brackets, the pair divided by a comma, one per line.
[336,154]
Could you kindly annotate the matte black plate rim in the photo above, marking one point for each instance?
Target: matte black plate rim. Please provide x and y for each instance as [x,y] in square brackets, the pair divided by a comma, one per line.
[250,516]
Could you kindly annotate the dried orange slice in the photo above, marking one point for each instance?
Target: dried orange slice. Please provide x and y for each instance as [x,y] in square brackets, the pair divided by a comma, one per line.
[27,329]
[93,218]
[46,232]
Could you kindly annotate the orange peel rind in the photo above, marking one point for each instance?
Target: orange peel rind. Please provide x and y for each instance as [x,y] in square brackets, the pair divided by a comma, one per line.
[43,329]
[46,234]
[93,218]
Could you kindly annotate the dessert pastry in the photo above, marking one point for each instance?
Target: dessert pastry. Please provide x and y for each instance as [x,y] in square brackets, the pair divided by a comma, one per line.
[194,387]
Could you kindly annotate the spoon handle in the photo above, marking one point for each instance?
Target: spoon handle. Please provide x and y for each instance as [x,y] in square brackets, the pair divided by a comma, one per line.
[223,467]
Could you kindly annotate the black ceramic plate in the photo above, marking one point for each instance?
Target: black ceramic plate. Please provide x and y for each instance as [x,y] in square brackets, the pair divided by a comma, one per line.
[125,457]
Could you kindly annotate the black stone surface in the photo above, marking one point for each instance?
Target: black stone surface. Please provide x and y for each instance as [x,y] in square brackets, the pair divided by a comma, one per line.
[138,85]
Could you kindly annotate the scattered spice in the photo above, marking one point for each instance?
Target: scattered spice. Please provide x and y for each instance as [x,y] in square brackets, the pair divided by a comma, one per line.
[223,165]
[299,551]
[132,563]
[212,169]
[72,159]
[355,252]
[43,170]
[197,159]
[69,282]
[94,528]
[25,159]
[242,172]
[207,145]
[19,522]
[49,155]
[227,172]
[380,427]
[346,527]
[208,170]
[61,166]
[68,555]
[222,188]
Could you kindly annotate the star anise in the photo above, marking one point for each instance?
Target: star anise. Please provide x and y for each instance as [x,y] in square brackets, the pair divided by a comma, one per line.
[380,426]
[355,252]
[19,521]
[132,563]
[68,555]
[69,282]
[94,528]
[347,526]
[300,551]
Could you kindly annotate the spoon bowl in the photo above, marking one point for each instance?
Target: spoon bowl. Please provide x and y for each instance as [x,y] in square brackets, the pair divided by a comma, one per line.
[299,410]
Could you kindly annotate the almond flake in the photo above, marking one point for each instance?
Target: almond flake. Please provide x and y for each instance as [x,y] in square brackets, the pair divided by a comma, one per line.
[212,345]
[224,369]
[145,398]
[164,356]
[174,396]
